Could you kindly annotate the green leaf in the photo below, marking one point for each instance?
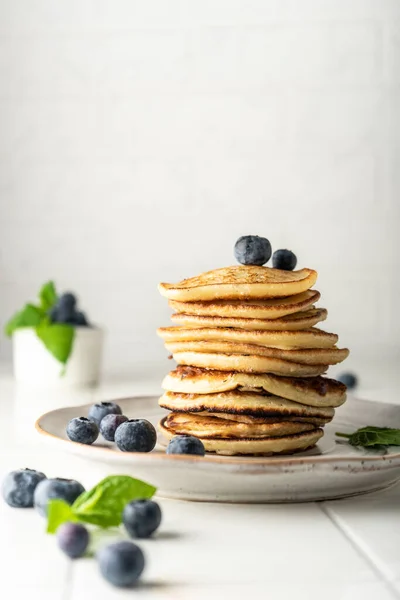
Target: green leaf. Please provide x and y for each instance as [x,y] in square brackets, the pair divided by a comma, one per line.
[48,296]
[58,339]
[29,316]
[103,505]
[370,436]
[58,513]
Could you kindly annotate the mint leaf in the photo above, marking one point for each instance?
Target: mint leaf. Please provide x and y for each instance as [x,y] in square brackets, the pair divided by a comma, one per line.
[48,296]
[370,436]
[58,513]
[58,339]
[29,316]
[103,505]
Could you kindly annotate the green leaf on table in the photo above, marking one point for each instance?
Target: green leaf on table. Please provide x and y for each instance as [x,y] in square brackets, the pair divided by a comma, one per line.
[29,316]
[103,505]
[58,512]
[48,296]
[370,436]
[58,339]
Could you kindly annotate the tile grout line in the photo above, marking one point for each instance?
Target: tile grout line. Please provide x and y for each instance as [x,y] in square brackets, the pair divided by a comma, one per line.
[346,533]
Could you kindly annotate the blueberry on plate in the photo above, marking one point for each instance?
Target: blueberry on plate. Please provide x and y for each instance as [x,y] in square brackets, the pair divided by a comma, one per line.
[284,259]
[73,539]
[349,379]
[82,430]
[51,489]
[186,444]
[136,435]
[98,411]
[141,518]
[19,486]
[109,425]
[121,563]
[252,250]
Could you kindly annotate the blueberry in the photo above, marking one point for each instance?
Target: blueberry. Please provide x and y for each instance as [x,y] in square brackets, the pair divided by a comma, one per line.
[19,486]
[349,379]
[80,319]
[50,489]
[141,518]
[186,444]
[64,310]
[284,260]
[252,250]
[136,435]
[64,314]
[73,539]
[121,563]
[109,424]
[98,411]
[82,430]
[77,318]
[67,300]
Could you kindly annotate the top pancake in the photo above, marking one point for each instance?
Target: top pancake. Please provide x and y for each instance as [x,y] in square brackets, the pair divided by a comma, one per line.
[272,308]
[240,282]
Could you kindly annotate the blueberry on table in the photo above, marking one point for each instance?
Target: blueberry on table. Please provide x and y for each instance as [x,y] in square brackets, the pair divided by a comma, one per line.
[19,486]
[284,259]
[82,430]
[121,563]
[73,539]
[252,250]
[186,444]
[136,435]
[141,518]
[349,379]
[98,411]
[51,489]
[109,425]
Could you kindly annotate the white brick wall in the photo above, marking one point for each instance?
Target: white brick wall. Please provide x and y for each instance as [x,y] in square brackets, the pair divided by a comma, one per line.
[139,139]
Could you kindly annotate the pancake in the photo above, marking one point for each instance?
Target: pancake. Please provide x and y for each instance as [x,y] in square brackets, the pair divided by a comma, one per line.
[296,321]
[240,282]
[315,391]
[242,403]
[317,421]
[303,356]
[272,308]
[247,364]
[306,338]
[207,426]
[261,446]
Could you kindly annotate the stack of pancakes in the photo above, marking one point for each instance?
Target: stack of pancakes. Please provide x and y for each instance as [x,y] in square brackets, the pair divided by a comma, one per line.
[250,361]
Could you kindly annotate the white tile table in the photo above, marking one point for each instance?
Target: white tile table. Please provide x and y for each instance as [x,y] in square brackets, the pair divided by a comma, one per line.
[342,550]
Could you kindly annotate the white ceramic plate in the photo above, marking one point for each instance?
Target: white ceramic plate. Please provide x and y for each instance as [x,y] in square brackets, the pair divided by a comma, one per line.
[333,469]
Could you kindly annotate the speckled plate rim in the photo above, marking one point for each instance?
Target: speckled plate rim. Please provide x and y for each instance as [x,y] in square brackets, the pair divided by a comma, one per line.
[391,460]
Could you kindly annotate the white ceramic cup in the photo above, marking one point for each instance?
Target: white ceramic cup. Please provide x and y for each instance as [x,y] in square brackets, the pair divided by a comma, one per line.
[33,363]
